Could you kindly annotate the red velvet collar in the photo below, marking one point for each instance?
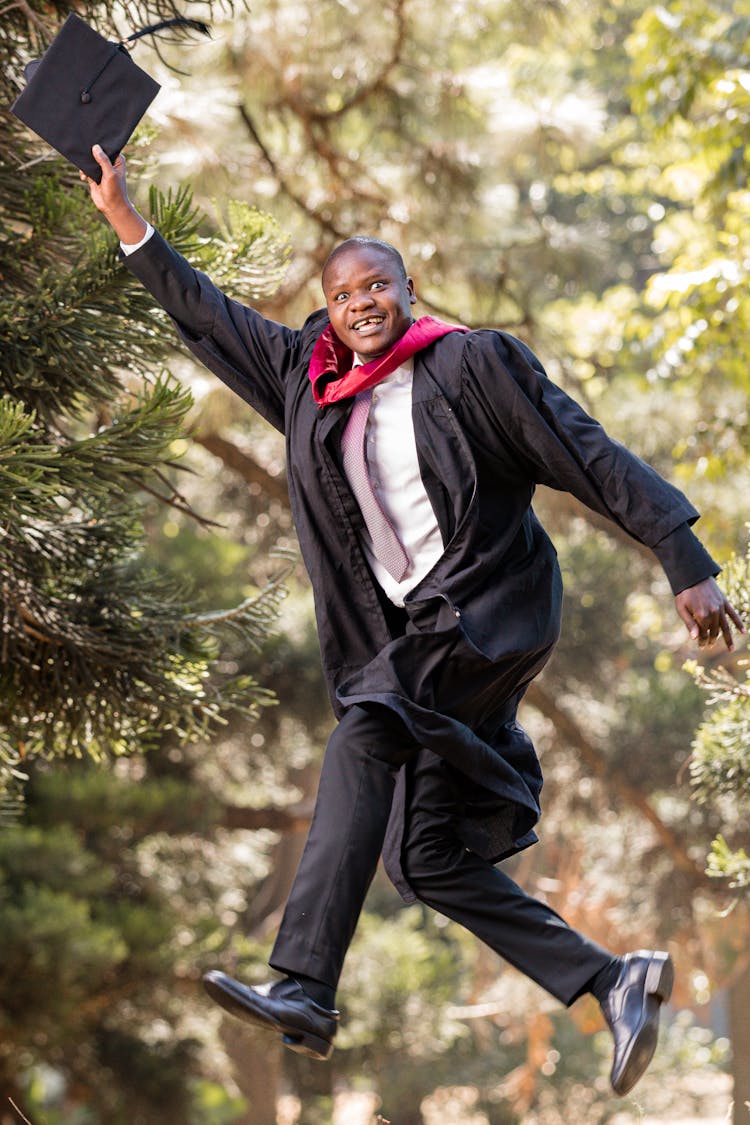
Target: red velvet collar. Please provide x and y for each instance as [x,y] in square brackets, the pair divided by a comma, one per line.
[333,377]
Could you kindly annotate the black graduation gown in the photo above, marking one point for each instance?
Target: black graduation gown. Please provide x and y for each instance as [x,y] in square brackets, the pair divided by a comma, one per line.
[489,427]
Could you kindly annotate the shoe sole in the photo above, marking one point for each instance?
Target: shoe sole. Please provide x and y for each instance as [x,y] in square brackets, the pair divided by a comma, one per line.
[657,991]
[303,1042]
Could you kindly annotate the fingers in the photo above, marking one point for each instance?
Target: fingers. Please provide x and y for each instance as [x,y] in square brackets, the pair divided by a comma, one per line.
[728,612]
[102,159]
[726,631]
[708,615]
[710,624]
[735,617]
[690,623]
[110,171]
[708,628]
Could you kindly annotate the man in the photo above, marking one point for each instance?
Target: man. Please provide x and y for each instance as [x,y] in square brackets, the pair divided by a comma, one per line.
[413,452]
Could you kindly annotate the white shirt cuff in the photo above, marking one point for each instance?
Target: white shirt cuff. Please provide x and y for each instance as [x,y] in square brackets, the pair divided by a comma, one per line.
[131,247]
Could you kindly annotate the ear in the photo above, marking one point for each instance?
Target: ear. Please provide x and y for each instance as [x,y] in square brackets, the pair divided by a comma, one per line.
[410,291]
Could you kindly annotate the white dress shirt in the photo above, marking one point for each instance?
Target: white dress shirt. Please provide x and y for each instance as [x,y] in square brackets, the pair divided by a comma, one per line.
[391,451]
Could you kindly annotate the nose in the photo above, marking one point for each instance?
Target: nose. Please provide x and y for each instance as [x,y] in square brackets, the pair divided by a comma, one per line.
[361,299]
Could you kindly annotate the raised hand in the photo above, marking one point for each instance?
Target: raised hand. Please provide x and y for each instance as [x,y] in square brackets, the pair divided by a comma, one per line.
[111,197]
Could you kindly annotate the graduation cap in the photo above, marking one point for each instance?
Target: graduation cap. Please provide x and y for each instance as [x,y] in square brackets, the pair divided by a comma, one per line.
[87,90]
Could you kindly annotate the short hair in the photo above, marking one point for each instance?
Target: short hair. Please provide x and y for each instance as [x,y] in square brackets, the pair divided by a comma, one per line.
[363,241]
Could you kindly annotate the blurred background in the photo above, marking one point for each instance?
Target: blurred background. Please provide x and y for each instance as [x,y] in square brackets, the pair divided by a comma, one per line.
[572,171]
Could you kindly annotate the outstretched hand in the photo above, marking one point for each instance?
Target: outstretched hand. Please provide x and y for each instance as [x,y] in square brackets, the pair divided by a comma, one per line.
[707,613]
[111,197]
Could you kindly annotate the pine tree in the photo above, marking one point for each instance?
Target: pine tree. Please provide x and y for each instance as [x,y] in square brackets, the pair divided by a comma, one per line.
[100,654]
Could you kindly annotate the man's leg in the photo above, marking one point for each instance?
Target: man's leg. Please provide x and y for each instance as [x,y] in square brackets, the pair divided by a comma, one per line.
[337,866]
[344,843]
[525,932]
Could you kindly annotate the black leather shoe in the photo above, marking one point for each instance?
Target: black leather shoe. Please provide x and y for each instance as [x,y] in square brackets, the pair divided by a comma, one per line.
[631,1008]
[282,1006]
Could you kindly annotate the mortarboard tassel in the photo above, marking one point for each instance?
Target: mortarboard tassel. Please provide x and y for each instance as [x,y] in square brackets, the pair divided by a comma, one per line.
[178,21]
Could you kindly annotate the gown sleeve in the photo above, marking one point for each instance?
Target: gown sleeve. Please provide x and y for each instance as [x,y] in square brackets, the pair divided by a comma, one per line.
[251,354]
[546,435]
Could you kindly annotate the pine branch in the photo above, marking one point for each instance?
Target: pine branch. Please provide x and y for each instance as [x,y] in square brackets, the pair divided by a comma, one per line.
[253,617]
[374,87]
[64,338]
[110,463]
[16,1110]
[12,779]
[80,683]
[311,211]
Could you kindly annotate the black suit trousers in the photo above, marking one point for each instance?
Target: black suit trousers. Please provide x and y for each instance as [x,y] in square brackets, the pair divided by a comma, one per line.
[346,836]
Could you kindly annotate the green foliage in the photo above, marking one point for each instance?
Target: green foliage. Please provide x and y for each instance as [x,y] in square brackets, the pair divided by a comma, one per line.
[90,798]
[689,84]
[398,977]
[690,60]
[54,941]
[732,865]
[100,654]
[103,660]
[248,251]
[99,947]
[690,65]
[720,763]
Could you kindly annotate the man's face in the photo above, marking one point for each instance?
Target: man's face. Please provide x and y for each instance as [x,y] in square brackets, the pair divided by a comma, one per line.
[369,301]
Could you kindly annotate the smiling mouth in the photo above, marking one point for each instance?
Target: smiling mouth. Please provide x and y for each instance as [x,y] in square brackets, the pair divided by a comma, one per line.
[367,322]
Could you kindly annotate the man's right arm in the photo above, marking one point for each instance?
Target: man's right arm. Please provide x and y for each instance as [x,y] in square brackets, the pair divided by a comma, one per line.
[252,355]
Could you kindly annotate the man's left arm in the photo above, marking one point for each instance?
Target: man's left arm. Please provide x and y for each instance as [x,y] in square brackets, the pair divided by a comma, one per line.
[563,447]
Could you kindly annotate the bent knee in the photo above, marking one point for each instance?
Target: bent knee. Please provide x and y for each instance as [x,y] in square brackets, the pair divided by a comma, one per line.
[430,861]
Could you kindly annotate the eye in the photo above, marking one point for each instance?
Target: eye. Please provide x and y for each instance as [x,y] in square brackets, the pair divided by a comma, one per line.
[341,297]
[378,284]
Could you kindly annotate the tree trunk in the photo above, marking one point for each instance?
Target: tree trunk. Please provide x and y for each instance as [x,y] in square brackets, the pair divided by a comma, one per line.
[739,1030]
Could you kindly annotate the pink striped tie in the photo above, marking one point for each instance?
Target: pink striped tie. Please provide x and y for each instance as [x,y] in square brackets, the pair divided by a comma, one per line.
[386,545]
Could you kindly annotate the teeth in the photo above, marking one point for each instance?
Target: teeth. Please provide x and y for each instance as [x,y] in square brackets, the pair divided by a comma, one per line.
[369,320]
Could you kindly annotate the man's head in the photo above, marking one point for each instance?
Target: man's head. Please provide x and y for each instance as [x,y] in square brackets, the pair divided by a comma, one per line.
[368,295]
